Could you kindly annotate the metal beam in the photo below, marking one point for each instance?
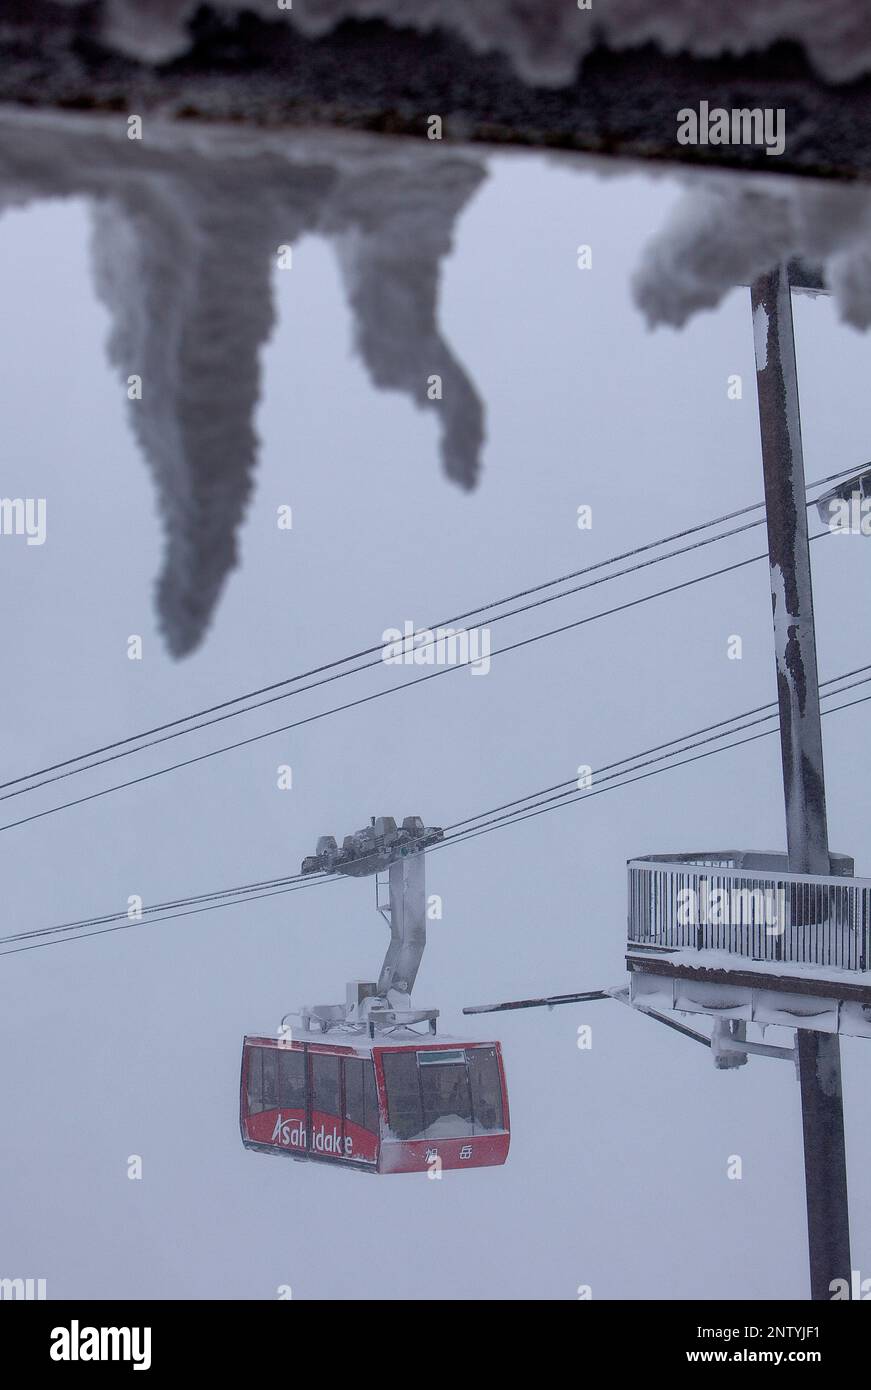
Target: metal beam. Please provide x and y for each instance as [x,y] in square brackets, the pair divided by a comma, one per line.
[825,1161]
[545,1002]
[801,739]
[819,1057]
[621,995]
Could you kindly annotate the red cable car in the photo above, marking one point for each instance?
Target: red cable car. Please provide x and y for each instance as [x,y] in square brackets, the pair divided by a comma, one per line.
[389,1106]
[378,1095]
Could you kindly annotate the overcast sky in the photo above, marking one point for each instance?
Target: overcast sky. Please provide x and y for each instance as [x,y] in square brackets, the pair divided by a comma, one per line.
[130,1043]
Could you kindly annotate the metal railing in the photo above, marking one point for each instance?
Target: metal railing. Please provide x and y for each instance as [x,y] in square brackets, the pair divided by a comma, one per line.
[747,905]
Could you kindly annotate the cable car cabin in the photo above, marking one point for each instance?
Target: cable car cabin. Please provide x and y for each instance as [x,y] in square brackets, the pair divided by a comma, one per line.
[381,1107]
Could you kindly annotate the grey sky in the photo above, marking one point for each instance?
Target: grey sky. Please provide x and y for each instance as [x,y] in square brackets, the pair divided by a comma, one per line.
[130,1043]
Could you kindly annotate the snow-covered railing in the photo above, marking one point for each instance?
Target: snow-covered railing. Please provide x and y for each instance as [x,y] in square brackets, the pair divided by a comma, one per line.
[751,906]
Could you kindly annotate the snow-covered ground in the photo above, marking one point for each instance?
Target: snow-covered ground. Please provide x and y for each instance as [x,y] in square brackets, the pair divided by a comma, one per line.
[545,39]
